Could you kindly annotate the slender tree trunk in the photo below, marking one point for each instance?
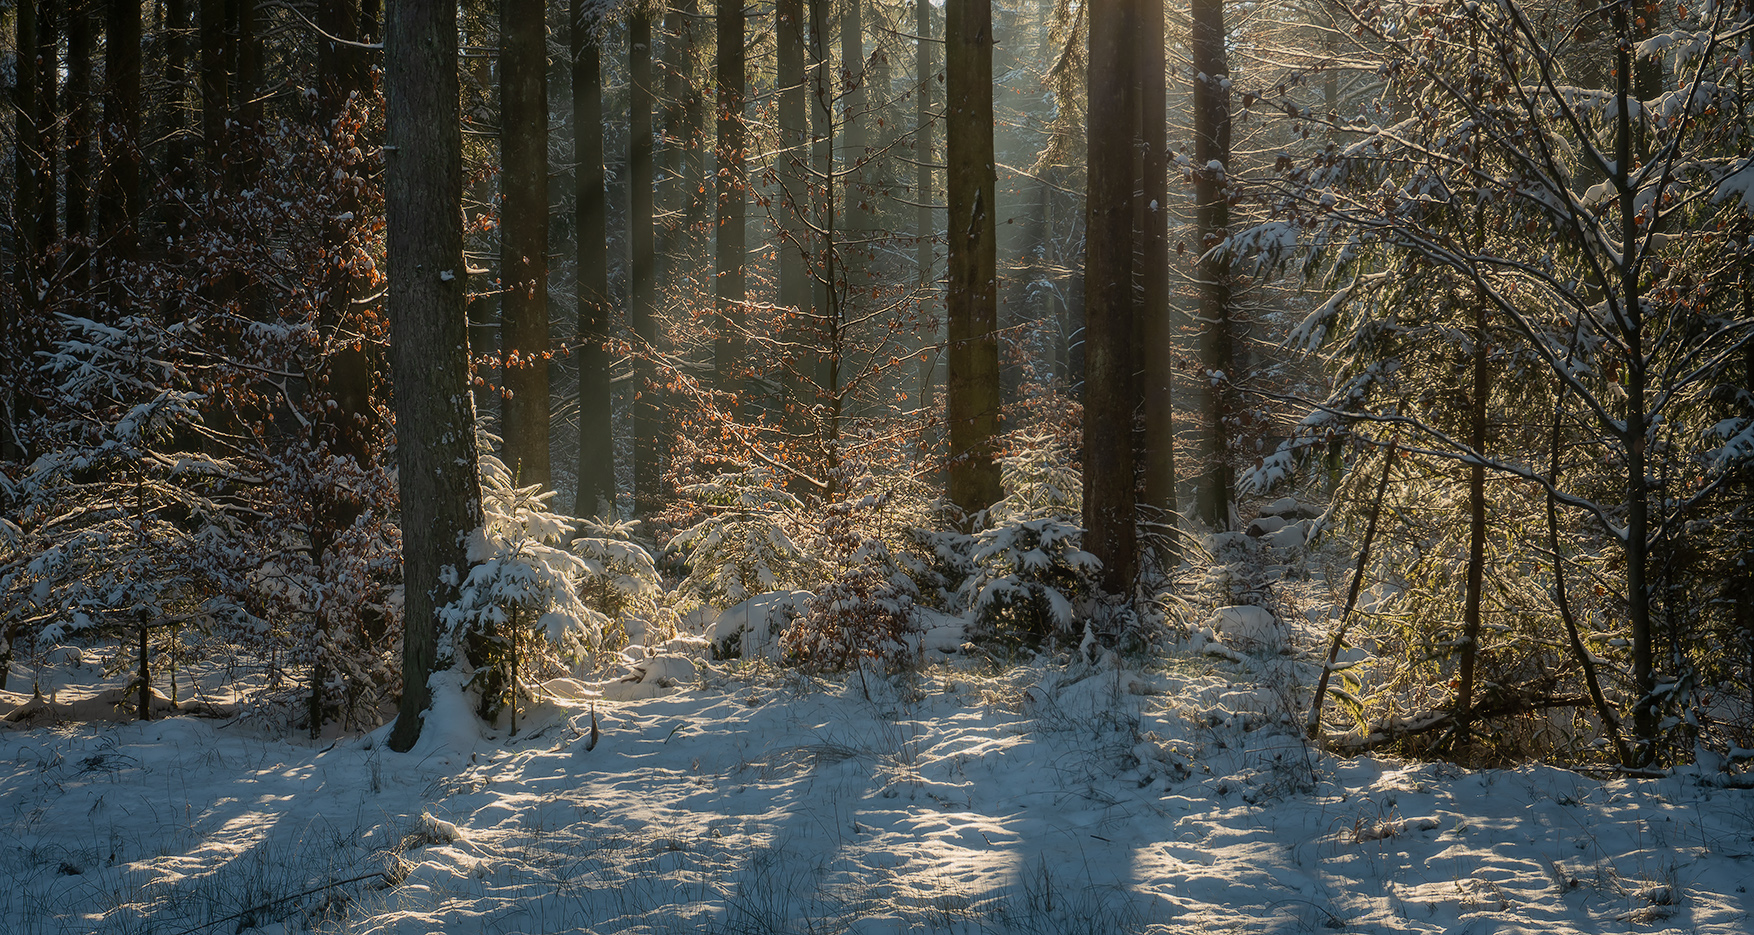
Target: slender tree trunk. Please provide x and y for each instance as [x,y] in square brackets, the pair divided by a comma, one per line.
[596,493]
[80,53]
[48,108]
[1630,318]
[1476,574]
[642,284]
[119,192]
[971,294]
[435,415]
[924,231]
[215,84]
[826,286]
[731,243]
[1155,355]
[27,150]
[1108,295]
[794,213]
[523,235]
[344,74]
[1217,348]
[856,114]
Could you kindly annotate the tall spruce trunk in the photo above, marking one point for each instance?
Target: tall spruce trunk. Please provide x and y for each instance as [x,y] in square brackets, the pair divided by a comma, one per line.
[732,237]
[1212,218]
[971,395]
[523,237]
[596,490]
[793,206]
[435,412]
[1155,357]
[924,68]
[1109,499]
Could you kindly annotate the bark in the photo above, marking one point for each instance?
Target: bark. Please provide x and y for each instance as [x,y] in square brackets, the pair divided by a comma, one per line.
[436,458]
[1109,499]
[971,294]
[825,291]
[523,239]
[80,54]
[855,104]
[1631,322]
[924,231]
[596,492]
[731,242]
[1470,648]
[1155,361]
[119,190]
[793,175]
[1212,217]
[343,72]
[26,153]
[642,285]
[48,106]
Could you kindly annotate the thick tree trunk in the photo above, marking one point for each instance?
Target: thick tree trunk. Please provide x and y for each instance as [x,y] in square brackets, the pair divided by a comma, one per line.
[642,284]
[731,242]
[1156,359]
[793,207]
[523,236]
[1109,499]
[1212,210]
[343,74]
[435,415]
[596,492]
[971,293]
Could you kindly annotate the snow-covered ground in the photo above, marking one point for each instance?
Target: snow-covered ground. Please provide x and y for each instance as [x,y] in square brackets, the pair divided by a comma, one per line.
[970,797]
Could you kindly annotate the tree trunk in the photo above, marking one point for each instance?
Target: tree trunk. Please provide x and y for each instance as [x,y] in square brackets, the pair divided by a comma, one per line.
[215,84]
[1470,648]
[523,236]
[971,294]
[119,192]
[435,450]
[793,175]
[826,291]
[731,243]
[1630,317]
[1212,211]
[596,492]
[924,230]
[80,52]
[642,285]
[26,155]
[1155,352]
[48,107]
[1108,295]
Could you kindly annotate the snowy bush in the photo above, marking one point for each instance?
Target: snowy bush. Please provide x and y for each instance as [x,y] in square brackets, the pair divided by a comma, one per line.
[743,546]
[1029,566]
[620,580]
[519,606]
[867,607]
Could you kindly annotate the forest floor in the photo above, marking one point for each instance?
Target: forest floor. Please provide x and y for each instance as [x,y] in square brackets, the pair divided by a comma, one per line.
[968,797]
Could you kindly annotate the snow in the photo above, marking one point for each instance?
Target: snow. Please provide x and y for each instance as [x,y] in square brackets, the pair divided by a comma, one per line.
[1045,797]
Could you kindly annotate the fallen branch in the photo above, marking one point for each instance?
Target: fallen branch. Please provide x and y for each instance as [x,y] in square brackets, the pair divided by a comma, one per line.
[1385,734]
[275,902]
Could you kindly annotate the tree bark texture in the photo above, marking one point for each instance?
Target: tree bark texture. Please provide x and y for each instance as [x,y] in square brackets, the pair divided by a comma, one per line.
[215,84]
[971,290]
[435,413]
[1212,217]
[1109,498]
[523,239]
[596,491]
[1155,356]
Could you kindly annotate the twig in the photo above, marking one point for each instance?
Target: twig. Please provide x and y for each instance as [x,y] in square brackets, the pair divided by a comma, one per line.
[274,902]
